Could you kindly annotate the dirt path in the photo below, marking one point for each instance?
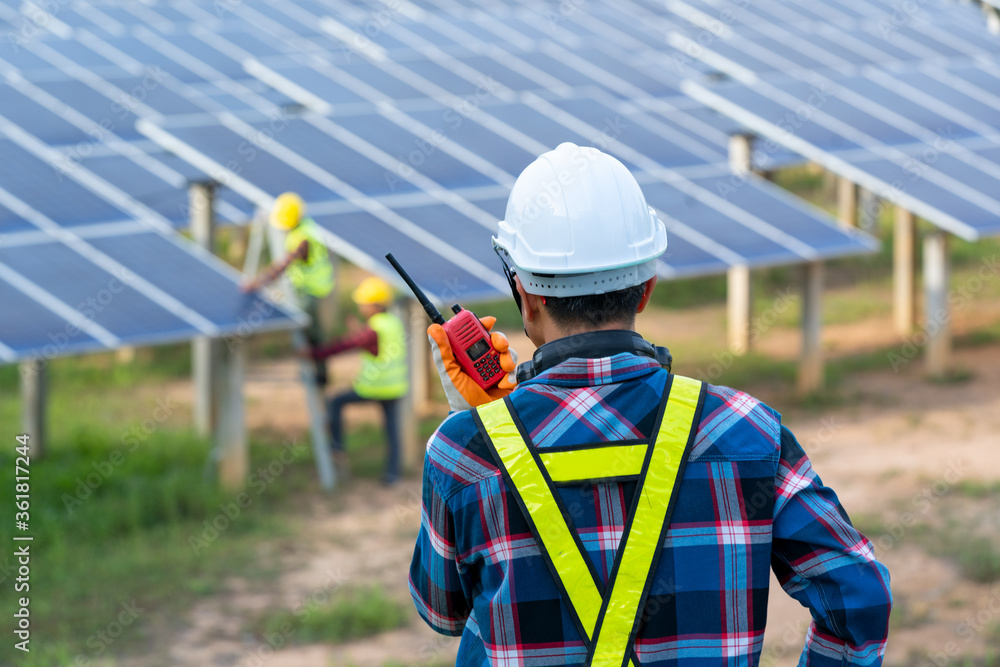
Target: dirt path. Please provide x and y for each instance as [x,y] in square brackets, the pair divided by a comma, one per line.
[895,456]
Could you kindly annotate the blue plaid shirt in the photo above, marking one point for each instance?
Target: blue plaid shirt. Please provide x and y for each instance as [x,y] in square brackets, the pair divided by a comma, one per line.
[749,502]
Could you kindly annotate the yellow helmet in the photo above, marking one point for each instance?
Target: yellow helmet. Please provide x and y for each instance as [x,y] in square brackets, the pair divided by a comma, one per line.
[371,291]
[288,210]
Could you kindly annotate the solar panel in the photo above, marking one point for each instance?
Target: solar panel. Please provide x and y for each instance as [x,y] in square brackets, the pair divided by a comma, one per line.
[777,46]
[413,138]
[362,234]
[37,119]
[940,164]
[35,181]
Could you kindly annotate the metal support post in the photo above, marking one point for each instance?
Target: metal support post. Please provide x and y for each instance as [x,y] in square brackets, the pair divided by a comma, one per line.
[738,309]
[34,390]
[230,432]
[937,314]
[904,272]
[741,153]
[204,350]
[811,364]
[847,201]
[992,18]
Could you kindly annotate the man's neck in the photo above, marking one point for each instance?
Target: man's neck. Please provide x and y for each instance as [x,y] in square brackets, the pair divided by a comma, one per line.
[552,332]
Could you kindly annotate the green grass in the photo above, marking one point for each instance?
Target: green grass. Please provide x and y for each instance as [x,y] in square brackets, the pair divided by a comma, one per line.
[978,557]
[947,534]
[906,614]
[750,369]
[102,370]
[346,614]
[976,489]
[113,523]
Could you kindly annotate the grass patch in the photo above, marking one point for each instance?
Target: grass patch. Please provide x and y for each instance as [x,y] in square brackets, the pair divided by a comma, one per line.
[976,489]
[103,370]
[805,180]
[869,525]
[951,519]
[119,528]
[978,557]
[351,613]
[952,376]
[906,614]
[505,310]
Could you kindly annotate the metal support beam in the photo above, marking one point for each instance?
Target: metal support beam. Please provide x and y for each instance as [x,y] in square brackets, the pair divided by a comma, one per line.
[317,417]
[992,18]
[230,433]
[904,283]
[415,405]
[34,390]
[870,208]
[937,315]
[204,350]
[847,201]
[811,364]
[741,153]
[738,309]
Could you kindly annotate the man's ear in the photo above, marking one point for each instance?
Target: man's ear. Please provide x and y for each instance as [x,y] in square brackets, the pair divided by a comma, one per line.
[530,303]
[648,292]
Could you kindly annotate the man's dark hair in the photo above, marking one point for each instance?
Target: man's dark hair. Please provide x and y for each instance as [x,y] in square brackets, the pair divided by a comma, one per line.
[596,310]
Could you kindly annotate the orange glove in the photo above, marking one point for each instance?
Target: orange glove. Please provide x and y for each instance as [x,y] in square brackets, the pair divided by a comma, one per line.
[462,391]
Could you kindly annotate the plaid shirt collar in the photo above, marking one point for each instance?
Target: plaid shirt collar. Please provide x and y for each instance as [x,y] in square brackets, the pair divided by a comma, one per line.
[584,372]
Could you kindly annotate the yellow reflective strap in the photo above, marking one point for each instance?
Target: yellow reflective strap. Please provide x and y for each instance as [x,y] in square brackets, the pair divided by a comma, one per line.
[594,463]
[536,495]
[643,540]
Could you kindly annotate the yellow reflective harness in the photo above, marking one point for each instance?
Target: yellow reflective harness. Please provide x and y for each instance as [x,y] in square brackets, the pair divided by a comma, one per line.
[608,621]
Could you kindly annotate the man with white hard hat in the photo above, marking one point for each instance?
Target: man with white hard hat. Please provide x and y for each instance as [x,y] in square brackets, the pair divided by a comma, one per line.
[603,511]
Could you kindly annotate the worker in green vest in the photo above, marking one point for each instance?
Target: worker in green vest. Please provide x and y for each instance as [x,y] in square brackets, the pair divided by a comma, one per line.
[384,375]
[307,263]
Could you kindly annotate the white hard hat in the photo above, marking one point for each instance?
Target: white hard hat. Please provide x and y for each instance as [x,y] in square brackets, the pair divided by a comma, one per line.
[577,223]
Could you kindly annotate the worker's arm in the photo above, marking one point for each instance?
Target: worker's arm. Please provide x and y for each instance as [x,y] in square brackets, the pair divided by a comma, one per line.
[274,271]
[828,566]
[364,339]
[435,582]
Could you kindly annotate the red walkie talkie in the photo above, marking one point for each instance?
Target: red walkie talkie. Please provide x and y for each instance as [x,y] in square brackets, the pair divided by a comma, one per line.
[470,341]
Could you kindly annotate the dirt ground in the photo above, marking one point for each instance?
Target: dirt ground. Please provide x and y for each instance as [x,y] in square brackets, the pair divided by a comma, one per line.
[895,453]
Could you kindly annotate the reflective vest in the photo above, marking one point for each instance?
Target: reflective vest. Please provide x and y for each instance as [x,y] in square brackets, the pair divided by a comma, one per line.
[608,623]
[385,376]
[314,276]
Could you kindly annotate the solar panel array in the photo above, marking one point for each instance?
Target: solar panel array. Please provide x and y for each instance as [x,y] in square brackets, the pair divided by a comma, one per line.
[908,109]
[88,255]
[403,126]
[423,127]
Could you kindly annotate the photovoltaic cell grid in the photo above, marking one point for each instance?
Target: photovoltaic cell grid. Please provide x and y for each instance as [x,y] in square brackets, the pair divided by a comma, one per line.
[923,134]
[111,274]
[75,267]
[214,87]
[389,154]
[777,47]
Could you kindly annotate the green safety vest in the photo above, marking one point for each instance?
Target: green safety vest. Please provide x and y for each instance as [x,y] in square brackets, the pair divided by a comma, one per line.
[609,622]
[385,376]
[315,275]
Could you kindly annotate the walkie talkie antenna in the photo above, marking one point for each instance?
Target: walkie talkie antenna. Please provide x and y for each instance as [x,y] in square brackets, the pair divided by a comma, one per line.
[429,308]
